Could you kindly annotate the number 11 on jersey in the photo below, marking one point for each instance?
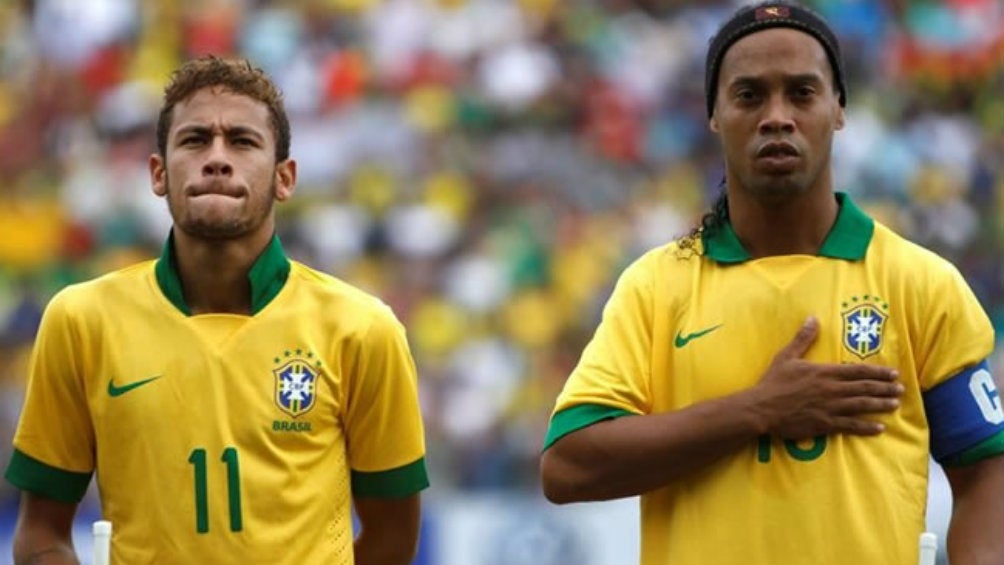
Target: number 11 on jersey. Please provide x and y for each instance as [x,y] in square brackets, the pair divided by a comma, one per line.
[198,461]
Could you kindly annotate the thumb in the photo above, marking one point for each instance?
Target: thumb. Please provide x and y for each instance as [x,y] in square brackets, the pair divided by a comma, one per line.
[804,339]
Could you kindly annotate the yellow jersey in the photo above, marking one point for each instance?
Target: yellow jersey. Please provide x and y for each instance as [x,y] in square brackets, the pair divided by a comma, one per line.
[689,324]
[222,438]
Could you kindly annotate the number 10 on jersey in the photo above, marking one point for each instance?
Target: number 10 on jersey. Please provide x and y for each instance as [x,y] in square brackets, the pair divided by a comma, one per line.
[229,458]
[795,451]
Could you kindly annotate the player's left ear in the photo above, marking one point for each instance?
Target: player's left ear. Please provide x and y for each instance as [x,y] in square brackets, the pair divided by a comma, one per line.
[838,123]
[285,180]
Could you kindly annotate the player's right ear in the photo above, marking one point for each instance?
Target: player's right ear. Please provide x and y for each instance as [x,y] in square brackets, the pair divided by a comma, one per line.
[158,175]
[713,123]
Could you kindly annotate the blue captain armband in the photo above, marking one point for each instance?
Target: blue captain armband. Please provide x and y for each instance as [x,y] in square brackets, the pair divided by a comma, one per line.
[963,411]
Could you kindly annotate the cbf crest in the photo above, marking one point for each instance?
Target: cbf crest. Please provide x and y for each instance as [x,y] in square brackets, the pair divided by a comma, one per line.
[864,320]
[296,381]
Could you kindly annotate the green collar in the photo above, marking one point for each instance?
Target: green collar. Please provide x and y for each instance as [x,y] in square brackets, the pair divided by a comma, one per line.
[848,239]
[268,274]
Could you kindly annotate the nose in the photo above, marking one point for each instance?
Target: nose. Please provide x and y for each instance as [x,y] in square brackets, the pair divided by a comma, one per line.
[217,161]
[777,117]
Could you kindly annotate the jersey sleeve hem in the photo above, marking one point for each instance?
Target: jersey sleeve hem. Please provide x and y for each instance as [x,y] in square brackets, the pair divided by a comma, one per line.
[32,475]
[990,447]
[392,483]
[578,417]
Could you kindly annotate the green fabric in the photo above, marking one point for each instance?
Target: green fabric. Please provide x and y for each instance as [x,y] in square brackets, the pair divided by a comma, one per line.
[393,483]
[267,276]
[168,279]
[990,447]
[27,473]
[578,417]
[848,238]
[851,233]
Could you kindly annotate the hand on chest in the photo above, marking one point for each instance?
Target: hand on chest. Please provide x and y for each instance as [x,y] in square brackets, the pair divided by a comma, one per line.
[733,325]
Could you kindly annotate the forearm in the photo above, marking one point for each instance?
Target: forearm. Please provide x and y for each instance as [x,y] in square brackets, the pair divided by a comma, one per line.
[976,531]
[37,552]
[43,534]
[632,455]
[389,529]
[378,550]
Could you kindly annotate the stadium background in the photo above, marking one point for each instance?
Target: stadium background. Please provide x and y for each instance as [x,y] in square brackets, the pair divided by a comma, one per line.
[487,167]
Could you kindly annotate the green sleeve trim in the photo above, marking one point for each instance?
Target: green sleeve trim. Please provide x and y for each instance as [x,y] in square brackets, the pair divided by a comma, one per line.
[392,483]
[27,473]
[990,447]
[578,417]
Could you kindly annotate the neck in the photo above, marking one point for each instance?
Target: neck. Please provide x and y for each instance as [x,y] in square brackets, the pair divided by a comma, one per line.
[214,274]
[797,226]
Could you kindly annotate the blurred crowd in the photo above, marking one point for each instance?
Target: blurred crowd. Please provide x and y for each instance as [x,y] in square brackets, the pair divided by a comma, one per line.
[487,167]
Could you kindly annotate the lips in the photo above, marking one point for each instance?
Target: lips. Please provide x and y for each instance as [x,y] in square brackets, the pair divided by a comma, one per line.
[216,188]
[777,158]
[776,149]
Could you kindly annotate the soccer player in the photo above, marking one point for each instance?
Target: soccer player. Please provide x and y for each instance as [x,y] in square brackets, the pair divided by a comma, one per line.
[235,405]
[773,384]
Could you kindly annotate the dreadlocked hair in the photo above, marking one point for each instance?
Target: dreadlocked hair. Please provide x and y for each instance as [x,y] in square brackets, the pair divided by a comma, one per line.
[711,221]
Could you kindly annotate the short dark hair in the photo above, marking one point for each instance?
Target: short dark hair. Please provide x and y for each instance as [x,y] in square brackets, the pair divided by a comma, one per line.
[236,75]
[777,13]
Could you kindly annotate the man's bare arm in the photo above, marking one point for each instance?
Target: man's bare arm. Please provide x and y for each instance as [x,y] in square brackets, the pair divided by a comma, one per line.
[43,532]
[976,531]
[389,533]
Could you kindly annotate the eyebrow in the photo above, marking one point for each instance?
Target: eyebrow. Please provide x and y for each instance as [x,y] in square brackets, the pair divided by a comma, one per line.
[232,131]
[802,78]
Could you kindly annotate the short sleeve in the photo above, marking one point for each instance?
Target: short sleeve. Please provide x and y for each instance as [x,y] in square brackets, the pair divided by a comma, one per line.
[386,442]
[54,441]
[613,375]
[955,330]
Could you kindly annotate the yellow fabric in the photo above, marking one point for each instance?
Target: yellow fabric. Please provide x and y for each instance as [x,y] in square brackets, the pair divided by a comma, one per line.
[215,396]
[833,500]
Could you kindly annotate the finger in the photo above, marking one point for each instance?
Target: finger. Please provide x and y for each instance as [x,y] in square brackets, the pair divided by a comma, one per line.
[857,426]
[804,339]
[863,405]
[864,387]
[870,388]
[862,371]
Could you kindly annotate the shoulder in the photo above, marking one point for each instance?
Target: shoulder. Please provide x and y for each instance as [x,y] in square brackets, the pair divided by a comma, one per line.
[104,291]
[332,288]
[326,293]
[661,275]
[668,262]
[910,259]
[681,254]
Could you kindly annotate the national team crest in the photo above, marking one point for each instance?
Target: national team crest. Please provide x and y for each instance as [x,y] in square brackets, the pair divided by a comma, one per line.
[295,386]
[864,324]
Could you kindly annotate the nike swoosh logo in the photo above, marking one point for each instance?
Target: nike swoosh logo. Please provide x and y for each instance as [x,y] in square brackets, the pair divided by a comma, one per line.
[682,340]
[120,390]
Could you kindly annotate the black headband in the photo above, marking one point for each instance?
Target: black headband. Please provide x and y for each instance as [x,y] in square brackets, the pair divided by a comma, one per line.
[750,19]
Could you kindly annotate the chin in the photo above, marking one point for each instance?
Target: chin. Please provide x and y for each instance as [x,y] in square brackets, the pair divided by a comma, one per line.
[777,190]
[214,230]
